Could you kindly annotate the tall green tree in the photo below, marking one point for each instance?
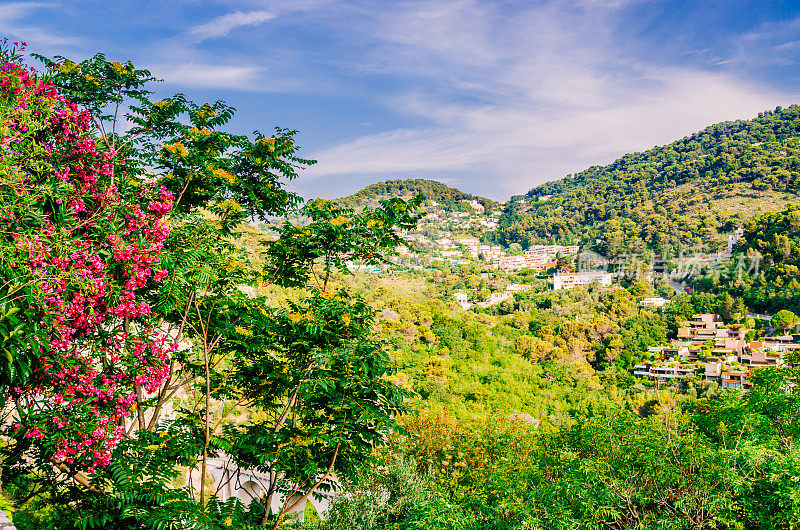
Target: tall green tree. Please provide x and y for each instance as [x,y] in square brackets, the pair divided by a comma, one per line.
[307,377]
[784,320]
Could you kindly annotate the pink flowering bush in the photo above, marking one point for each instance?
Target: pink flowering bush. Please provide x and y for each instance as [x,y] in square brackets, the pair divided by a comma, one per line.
[82,244]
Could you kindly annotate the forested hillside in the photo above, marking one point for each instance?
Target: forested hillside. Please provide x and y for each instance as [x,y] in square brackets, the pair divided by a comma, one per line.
[685,194]
[776,238]
[446,196]
[769,256]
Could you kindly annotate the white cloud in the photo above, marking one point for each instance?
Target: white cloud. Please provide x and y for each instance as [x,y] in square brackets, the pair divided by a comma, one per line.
[18,10]
[499,96]
[221,26]
[518,147]
[13,26]
[210,76]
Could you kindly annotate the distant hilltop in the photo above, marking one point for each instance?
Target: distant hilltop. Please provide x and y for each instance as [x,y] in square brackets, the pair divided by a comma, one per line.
[436,194]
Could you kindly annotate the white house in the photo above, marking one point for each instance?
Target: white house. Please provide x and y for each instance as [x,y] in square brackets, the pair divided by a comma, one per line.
[579,279]
[734,238]
[656,302]
[461,299]
[248,485]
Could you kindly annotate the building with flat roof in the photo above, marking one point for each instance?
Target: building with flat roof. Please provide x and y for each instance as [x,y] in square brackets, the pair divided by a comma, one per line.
[580,279]
[656,302]
[671,372]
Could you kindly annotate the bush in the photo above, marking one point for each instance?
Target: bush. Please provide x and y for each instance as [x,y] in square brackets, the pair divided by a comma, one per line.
[393,497]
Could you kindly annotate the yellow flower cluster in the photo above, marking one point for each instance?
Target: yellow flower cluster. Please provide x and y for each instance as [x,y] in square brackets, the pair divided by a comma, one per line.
[243,331]
[233,265]
[297,441]
[177,148]
[300,441]
[67,66]
[206,111]
[154,448]
[269,141]
[339,221]
[230,205]
[202,131]
[297,317]
[230,178]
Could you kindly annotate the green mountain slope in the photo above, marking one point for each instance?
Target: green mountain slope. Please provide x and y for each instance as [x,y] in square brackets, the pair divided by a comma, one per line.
[765,270]
[445,196]
[688,194]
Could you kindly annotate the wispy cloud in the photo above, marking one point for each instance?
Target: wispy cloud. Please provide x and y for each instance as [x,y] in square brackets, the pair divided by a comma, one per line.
[209,75]
[221,26]
[525,99]
[13,24]
[16,10]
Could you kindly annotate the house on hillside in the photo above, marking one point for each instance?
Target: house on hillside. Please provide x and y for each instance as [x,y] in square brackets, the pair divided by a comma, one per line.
[671,373]
[734,238]
[517,288]
[580,279]
[475,205]
[655,302]
[495,298]
[735,379]
[462,300]
[250,485]
[721,350]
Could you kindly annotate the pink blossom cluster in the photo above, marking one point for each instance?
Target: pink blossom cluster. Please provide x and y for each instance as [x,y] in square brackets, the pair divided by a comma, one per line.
[93,256]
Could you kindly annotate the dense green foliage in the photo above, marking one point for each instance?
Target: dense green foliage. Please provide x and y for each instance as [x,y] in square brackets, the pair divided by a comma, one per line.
[765,272]
[776,238]
[395,497]
[635,460]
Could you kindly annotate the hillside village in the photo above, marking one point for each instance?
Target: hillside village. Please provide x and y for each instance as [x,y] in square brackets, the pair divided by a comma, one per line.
[706,350]
[715,352]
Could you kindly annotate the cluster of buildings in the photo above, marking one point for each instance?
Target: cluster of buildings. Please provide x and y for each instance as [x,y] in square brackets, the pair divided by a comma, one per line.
[475,249]
[455,249]
[656,302]
[478,219]
[475,205]
[537,257]
[715,351]
[452,248]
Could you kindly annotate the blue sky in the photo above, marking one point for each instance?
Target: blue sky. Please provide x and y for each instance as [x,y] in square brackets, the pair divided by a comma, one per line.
[491,97]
